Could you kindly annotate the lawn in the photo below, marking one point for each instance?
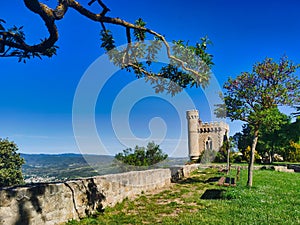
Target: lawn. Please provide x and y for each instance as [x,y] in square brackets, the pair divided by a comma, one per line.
[274,199]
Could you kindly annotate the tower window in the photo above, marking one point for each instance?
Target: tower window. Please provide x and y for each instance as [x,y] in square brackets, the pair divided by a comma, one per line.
[208,144]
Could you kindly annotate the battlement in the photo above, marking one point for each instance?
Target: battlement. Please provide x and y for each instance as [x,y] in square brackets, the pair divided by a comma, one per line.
[192,114]
[212,126]
[214,123]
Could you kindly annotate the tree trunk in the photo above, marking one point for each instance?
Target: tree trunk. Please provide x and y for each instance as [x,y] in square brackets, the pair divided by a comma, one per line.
[252,158]
[228,159]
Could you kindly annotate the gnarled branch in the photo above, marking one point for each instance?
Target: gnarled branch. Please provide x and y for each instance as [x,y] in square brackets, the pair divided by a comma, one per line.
[12,42]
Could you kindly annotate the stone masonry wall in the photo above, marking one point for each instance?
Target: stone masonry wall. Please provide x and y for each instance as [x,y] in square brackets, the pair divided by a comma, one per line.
[55,203]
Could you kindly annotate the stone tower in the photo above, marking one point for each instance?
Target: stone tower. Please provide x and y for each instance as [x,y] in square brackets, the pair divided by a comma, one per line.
[193,136]
[204,136]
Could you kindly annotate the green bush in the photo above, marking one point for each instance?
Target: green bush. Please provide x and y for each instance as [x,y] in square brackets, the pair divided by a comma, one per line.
[208,156]
[141,156]
[236,158]
[10,164]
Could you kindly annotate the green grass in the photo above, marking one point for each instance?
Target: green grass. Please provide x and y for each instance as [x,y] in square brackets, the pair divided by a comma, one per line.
[274,199]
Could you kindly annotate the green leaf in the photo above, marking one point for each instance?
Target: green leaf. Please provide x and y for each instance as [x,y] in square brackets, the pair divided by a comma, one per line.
[139,34]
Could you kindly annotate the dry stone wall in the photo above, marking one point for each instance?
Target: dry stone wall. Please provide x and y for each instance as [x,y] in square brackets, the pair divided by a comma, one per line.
[55,203]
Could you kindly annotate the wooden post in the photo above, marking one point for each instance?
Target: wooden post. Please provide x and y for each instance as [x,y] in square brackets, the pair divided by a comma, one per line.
[238,173]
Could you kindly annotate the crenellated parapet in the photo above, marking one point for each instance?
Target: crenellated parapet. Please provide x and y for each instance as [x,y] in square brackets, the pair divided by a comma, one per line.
[213,127]
[192,115]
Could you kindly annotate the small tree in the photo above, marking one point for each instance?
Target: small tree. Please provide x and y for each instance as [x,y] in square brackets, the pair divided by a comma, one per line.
[254,97]
[142,156]
[10,164]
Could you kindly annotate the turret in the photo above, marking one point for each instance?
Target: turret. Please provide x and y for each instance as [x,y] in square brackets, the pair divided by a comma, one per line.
[193,119]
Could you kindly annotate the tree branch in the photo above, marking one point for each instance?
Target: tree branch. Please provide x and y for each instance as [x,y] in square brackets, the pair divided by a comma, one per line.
[16,43]
[48,17]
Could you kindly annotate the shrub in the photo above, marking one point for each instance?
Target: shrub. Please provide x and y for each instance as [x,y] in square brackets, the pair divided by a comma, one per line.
[294,152]
[236,157]
[207,156]
[141,156]
[10,164]
[246,155]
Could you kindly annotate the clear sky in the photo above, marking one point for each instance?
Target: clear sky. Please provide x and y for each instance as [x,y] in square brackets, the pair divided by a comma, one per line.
[37,97]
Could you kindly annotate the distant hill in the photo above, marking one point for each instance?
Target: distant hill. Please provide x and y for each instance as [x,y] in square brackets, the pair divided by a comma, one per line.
[67,159]
[48,167]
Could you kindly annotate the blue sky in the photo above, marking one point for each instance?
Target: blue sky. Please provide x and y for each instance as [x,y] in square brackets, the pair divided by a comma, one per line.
[37,97]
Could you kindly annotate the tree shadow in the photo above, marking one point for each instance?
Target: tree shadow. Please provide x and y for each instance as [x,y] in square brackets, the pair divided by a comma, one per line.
[191,180]
[212,179]
[28,195]
[94,197]
[212,194]
[23,218]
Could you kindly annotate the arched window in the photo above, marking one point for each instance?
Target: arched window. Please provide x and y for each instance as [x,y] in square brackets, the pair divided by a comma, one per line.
[208,144]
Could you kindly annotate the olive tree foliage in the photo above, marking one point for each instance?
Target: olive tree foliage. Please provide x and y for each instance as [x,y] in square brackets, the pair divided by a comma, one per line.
[10,164]
[142,156]
[189,65]
[253,97]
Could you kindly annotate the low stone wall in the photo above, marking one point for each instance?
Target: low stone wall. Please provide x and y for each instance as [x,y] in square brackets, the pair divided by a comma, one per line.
[179,172]
[55,203]
[280,168]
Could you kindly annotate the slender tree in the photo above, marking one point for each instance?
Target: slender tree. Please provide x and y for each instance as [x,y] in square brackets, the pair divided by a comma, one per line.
[254,97]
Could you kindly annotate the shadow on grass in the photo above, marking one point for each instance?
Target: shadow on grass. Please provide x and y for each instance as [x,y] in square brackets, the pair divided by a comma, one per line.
[191,180]
[212,179]
[212,194]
